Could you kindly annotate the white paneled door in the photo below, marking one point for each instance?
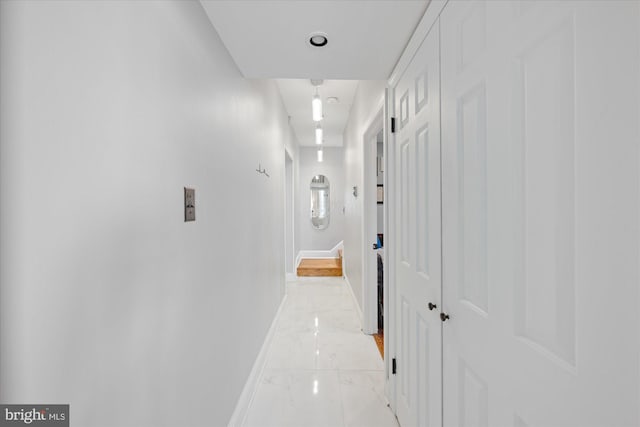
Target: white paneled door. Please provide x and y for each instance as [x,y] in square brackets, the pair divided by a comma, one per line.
[418,256]
[540,211]
[517,168]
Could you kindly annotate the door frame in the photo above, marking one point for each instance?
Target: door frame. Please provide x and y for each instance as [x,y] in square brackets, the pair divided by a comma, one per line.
[289,226]
[389,180]
[369,221]
[380,121]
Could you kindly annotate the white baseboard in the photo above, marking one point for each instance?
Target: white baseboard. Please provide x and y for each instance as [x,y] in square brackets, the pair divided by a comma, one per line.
[314,254]
[298,259]
[246,397]
[355,300]
[290,277]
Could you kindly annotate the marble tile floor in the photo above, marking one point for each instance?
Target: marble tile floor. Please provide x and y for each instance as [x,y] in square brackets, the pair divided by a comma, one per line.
[321,370]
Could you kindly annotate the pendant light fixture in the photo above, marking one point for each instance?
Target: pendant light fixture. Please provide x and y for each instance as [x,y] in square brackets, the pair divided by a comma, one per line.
[316,107]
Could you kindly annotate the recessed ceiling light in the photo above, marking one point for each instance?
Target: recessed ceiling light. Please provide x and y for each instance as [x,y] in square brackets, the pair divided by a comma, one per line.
[318,39]
[332,100]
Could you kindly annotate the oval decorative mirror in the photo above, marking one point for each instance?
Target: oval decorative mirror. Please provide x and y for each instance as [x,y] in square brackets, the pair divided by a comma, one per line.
[320,202]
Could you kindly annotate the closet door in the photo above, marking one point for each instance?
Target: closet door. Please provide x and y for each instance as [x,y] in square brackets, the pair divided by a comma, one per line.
[540,213]
[418,238]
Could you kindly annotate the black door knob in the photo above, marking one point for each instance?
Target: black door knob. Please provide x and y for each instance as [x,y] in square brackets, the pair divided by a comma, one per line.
[443,316]
[432,306]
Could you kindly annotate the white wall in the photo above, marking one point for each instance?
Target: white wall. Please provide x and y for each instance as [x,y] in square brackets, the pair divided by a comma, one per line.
[365,106]
[332,168]
[108,300]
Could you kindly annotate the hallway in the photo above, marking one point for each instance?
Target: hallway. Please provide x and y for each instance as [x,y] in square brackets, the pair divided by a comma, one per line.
[166,165]
[321,369]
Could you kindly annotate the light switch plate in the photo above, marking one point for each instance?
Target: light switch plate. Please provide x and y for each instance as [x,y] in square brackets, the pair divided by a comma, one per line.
[189,204]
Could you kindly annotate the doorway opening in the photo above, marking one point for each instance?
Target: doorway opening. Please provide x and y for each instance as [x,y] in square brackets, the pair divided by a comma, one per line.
[379,336]
[374,224]
[289,248]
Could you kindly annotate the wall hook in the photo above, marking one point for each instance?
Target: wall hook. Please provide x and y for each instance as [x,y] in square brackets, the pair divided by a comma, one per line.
[262,171]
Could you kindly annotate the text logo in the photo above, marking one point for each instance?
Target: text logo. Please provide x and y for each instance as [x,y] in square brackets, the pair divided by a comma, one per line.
[34,415]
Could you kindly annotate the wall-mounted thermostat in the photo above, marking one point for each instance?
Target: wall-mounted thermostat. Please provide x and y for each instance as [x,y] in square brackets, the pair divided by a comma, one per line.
[189,204]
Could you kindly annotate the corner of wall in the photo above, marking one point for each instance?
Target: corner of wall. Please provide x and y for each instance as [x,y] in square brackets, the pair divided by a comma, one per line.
[364,108]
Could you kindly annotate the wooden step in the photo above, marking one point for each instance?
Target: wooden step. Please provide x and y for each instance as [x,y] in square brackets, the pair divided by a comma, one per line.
[327,267]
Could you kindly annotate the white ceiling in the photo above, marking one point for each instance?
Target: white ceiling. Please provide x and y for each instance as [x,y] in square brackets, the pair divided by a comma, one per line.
[269,39]
[297,94]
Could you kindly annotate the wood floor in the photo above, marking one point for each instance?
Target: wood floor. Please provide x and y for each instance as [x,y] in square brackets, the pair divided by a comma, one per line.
[326,267]
[379,337]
